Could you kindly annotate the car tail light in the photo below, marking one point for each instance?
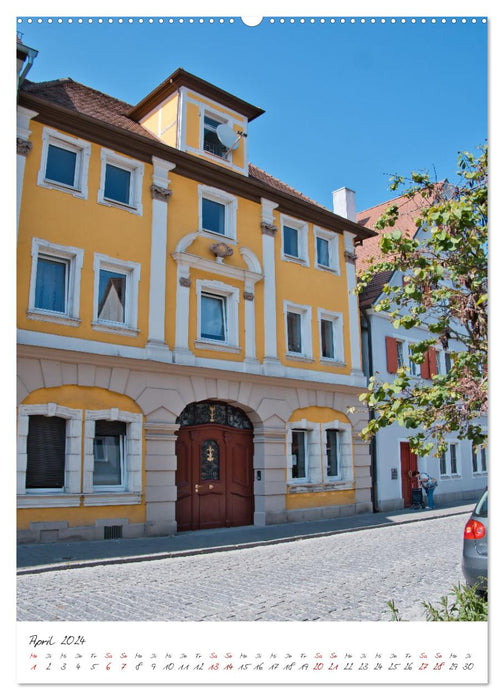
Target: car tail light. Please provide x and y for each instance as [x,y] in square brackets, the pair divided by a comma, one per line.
[474,530]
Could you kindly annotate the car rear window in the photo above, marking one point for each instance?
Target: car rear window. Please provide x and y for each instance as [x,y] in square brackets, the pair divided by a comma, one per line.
[482,507]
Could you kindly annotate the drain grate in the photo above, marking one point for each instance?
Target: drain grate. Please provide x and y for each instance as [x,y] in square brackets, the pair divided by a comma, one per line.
[112,532]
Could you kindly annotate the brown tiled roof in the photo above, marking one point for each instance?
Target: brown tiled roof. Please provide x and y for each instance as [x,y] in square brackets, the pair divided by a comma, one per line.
[409,211]
[88,103]
[258,174]
[85,100]
[93,103]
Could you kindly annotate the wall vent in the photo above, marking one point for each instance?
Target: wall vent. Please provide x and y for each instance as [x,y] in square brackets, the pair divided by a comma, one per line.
[112,532]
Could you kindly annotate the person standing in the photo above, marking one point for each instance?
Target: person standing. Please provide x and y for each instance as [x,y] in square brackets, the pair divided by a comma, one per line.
[429,484]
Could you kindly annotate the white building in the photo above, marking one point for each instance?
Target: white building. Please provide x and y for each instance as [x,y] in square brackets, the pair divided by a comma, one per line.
[461,473]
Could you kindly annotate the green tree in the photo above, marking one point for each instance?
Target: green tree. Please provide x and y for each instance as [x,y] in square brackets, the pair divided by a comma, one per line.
[444,289]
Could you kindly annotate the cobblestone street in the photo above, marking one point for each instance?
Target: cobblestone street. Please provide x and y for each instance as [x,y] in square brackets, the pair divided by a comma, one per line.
[347,577]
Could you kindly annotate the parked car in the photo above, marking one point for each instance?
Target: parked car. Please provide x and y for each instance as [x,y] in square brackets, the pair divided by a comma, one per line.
[475,551]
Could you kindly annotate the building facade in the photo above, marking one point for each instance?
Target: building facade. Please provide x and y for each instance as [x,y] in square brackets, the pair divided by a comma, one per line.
[461,472]
[188,342]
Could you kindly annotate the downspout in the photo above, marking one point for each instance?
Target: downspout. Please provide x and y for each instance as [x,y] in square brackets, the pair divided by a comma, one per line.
[366,324]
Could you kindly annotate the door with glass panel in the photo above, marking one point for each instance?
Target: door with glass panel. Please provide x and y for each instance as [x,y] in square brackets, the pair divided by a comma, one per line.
[214,469]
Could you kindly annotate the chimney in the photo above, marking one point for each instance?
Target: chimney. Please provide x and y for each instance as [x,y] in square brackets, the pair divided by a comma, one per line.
[344,203]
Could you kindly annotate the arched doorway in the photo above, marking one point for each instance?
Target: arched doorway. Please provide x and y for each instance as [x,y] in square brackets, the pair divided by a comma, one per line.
[215,476]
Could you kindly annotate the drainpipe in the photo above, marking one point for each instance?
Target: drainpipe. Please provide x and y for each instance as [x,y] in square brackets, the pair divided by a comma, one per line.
[25,57]
[366,324]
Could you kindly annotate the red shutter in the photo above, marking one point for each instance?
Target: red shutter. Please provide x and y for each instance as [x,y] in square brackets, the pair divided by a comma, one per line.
[391,349]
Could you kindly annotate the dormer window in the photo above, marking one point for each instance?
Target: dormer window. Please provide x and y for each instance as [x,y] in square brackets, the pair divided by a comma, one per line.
[211,142]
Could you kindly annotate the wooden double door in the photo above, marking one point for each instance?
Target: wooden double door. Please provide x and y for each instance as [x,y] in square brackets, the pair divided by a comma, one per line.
[214,477]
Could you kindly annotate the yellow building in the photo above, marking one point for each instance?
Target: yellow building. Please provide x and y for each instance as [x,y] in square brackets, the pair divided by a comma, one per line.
[188,344]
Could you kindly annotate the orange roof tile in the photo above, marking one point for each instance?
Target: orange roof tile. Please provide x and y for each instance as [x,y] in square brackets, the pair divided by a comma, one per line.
[409,211]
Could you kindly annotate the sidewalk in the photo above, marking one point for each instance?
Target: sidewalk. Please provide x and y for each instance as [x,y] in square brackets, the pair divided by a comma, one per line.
[35,558]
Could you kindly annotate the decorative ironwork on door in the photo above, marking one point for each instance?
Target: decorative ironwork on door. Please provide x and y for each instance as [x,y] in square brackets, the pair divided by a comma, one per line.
[210,469]
[214,412]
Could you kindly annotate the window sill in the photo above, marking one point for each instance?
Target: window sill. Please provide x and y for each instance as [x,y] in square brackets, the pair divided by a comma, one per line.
[49,317]
[111,498]
[332,363]
[332,270]
[298,261]
[216,347]
[320,488]
[63,188]
[299,358]
[446,477]
[130,209]
[479,475]
[48,500]
[112,328]
[224,237]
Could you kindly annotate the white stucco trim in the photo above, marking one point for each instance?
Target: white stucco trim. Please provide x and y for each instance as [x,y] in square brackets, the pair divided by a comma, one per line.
[333,240]
[73,440]
[133,457]
[74,259]
[230,203]
[83,151]
[270,306]
[303,257]
[135,168]
[336,319]
[305,312]
[24,116]
[345,452]
[62,342]
[221,269]
[157,279]
[132,272]
[231,296]
[353,308]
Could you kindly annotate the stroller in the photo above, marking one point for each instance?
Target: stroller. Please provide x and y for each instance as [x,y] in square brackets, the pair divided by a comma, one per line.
[417,501]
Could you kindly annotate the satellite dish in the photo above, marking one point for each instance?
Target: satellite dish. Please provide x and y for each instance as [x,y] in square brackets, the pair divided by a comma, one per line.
[227,136]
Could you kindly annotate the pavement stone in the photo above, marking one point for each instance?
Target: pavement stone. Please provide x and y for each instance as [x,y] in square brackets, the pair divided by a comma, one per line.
[33,558]
[344,576]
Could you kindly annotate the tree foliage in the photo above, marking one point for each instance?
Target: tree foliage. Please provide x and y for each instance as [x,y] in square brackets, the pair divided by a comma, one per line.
[444,290]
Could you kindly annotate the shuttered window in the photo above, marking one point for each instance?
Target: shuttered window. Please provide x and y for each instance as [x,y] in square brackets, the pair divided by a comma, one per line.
[46,453]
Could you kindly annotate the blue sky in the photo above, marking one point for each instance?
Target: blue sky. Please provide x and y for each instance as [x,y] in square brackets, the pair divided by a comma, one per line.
[346,104]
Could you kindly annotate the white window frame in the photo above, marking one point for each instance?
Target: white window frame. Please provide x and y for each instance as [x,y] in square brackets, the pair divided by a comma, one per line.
[131,489]
[448,461]
[402,349]
[212,114]
[316,467]
[231,296]
[306,331]
[135,168]
[336,319]
[345,453]
[230,204]
[132,272]
[73,258]
[46,498]
[311,438]
[332,239]
[51,137]
[302,228]
[477,460]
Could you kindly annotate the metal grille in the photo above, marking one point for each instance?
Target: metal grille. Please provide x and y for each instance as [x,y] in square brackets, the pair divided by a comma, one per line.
[112,532]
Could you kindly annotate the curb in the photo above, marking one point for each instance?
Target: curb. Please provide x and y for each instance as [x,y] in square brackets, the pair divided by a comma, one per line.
[137,558]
